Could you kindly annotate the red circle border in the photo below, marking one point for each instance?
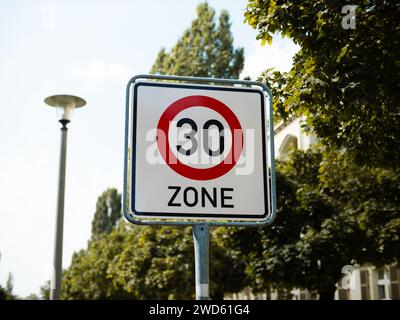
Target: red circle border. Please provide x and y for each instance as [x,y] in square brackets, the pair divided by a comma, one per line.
[197,173]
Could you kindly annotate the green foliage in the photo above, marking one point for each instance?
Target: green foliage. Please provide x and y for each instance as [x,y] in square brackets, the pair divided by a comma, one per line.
[6,293]
[2,290]
[108,212]
[331,213]
[136,262]
[32,296]
[88,275]
[156,264]
[10,284]
[345,80]
[45,291]
[204,50]
[2,293]
[371,197]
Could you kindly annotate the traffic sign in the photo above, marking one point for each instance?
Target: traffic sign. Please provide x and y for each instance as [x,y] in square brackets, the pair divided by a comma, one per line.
[197,152]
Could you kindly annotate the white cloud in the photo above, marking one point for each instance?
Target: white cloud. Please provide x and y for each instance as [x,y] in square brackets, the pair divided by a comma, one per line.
[277,55]
[99,70]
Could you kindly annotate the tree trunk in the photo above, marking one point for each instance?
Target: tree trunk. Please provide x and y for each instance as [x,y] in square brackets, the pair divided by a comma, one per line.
[327,293]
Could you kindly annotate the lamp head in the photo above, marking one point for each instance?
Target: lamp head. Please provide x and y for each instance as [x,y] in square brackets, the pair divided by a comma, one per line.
[65,105]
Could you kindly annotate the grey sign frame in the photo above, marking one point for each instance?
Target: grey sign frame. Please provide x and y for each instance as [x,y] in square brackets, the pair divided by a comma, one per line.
[170,221]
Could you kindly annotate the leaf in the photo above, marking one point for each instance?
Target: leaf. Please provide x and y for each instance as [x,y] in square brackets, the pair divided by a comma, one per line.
[265,39]
[342,53]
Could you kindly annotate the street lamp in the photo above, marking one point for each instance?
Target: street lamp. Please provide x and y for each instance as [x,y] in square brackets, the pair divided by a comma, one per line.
[65,105]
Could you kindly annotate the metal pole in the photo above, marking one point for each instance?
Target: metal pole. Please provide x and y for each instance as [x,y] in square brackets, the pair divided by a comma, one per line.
[201,240]
[55,289]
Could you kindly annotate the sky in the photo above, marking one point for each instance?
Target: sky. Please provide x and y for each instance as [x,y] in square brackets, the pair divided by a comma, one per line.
[91,49]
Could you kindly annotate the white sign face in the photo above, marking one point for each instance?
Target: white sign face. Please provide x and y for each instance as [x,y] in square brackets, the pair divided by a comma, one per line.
[198,151]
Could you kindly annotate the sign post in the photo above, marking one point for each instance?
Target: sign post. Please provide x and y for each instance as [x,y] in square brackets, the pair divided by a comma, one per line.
[201,240]
[196,153]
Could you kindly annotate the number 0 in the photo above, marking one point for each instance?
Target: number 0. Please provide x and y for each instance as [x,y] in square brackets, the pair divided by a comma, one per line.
[220,127]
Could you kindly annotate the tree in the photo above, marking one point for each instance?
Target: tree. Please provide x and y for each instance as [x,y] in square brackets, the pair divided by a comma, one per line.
[6,293]
[370,196]
[162,265]
[204,50]
[329,215]
[136,262]
[88,276]
[2,290]
[108,212]
[2,293]
[346,81]
[10,284]
[45,291]
[157,264]
[32,296]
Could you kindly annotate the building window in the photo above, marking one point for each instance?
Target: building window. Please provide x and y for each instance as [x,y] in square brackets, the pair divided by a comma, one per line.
[365,292]
[381,274]
[395,282]
[381,292]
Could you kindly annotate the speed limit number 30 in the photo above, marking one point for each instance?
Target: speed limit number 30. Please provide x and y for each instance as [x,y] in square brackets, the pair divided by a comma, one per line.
[198,151]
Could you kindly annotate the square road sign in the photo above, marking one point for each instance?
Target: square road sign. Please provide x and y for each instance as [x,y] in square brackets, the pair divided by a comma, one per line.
[198,152]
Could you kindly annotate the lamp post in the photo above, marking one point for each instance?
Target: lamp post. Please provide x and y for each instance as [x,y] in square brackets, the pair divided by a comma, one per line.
[65,105]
